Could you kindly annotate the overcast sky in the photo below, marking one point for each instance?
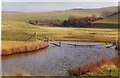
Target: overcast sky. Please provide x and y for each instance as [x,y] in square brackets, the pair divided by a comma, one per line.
[60,0]
[50,6]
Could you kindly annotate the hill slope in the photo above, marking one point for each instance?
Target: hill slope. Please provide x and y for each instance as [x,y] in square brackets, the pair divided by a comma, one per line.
[111,19]
[62,15]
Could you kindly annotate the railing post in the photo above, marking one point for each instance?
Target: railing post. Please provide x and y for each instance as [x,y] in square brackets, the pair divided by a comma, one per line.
[60,43]
[75,45]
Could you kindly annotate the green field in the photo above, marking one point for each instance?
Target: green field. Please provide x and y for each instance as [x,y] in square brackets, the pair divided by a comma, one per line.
[12,30]
[15,27]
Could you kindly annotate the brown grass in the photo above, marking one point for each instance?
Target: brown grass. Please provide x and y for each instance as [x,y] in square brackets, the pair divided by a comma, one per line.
[13,47]
[100,66]
[13,44]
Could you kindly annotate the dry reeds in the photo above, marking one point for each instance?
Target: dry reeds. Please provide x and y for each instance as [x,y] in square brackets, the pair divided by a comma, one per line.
[100,66]
[25,48]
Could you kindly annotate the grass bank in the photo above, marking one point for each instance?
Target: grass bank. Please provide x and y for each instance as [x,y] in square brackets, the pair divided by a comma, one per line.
[13,47]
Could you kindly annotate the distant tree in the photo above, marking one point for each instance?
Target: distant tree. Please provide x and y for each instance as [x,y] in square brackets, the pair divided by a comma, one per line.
[65,23]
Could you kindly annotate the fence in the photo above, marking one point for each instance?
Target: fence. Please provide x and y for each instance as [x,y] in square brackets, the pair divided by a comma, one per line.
[36,37]
[24,37]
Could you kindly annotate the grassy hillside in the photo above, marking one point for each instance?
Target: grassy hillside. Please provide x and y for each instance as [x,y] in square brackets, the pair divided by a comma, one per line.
[12,30]
[25,17]
[15,26]
[111,19]
[108,22]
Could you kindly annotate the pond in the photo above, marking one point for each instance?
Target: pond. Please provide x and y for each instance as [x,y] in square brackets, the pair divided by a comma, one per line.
[56,61]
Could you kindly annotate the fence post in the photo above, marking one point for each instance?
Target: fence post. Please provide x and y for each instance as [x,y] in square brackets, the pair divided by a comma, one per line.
[35,36]
[10,36]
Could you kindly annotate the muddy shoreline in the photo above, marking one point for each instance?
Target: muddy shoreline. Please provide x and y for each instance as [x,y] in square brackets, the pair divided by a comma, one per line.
[24,49]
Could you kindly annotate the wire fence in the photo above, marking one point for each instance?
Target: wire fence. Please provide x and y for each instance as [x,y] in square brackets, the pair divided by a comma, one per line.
[24,37]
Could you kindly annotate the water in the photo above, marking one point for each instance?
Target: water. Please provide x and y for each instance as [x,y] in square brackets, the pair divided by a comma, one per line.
[56,61]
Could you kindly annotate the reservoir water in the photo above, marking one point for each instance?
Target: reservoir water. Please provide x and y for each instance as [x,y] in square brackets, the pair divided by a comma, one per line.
[56,61]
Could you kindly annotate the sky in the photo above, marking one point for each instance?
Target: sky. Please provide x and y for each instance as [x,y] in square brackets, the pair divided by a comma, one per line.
[51,6]
[60,0]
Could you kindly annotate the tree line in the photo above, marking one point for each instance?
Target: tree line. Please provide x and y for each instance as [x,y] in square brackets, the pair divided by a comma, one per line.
[72,21]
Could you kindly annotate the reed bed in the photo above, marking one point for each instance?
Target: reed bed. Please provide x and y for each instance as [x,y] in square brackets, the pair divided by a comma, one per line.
[99,67]
[14,47]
